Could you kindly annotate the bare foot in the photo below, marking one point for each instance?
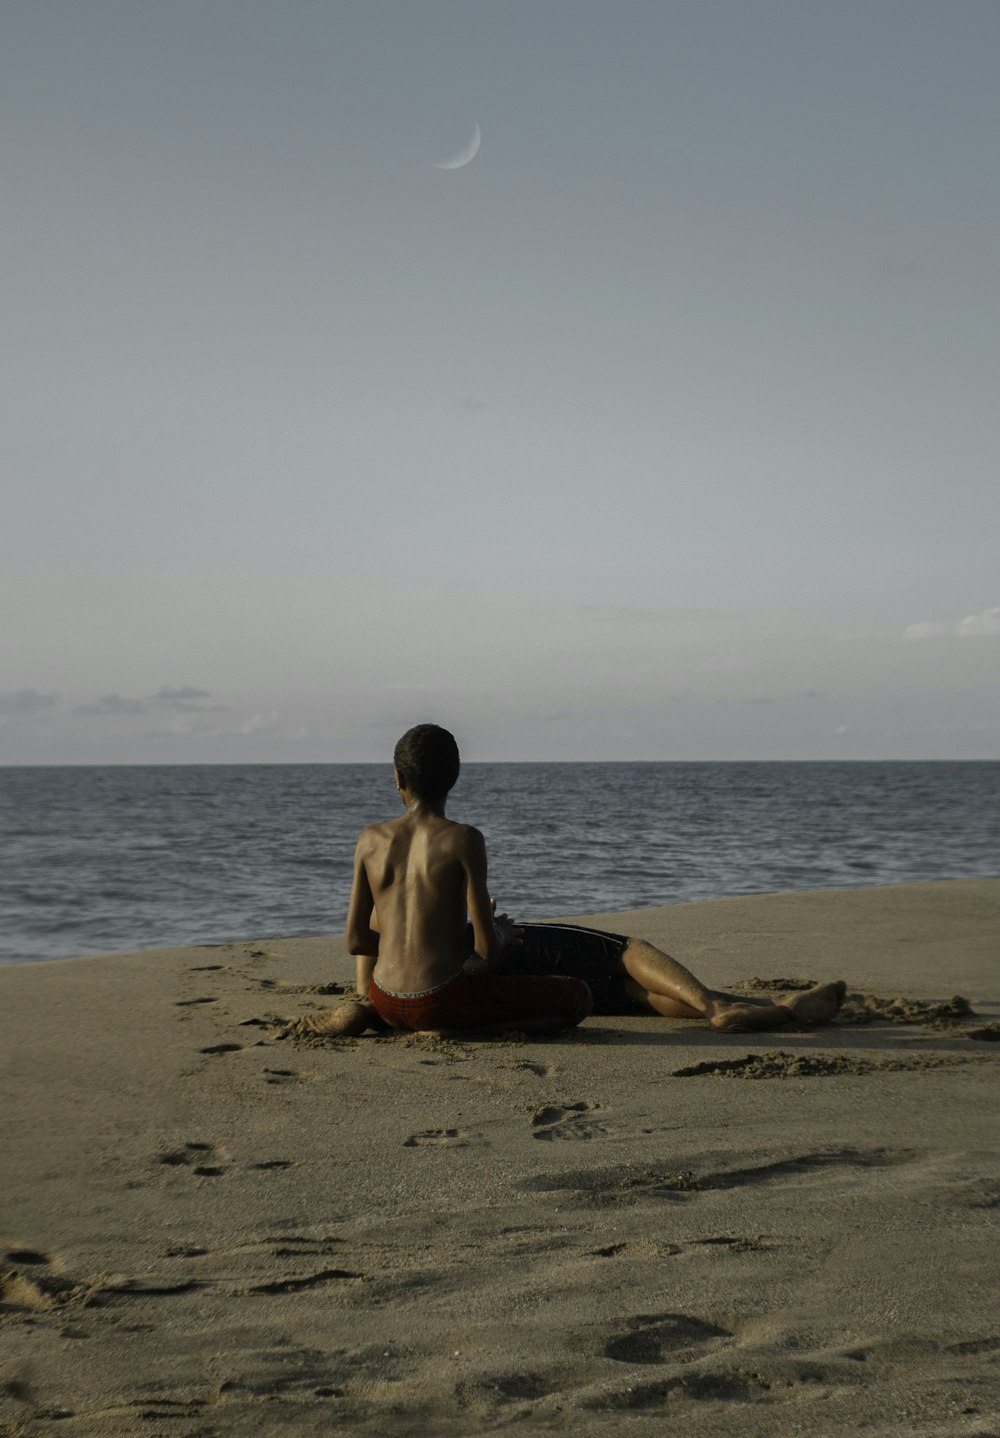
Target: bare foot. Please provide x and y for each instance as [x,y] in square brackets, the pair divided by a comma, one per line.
[731,1017]
[342,1022]
[815,1006]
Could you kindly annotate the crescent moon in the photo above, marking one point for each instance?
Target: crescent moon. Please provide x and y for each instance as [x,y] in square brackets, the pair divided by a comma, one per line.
[465,154]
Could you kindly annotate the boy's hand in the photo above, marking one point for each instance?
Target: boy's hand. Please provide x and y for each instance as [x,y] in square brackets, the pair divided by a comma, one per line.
[504,925]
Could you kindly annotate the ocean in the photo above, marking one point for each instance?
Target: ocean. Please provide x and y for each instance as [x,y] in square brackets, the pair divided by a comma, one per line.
[103,859]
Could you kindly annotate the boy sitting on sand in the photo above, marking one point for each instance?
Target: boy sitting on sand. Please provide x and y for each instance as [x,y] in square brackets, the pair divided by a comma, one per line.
[419,877]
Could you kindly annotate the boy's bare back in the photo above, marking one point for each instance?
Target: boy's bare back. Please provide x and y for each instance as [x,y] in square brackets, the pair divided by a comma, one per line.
[419,875]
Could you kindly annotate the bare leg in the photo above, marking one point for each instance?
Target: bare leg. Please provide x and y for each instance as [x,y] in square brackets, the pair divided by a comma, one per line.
[668,988]
[657,974]
[672,990]
[344,1021]
[659,1003]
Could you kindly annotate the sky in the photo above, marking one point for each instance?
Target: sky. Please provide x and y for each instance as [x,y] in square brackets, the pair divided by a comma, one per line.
[665,428]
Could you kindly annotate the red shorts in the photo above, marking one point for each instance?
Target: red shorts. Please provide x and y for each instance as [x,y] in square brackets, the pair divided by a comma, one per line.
[465,1002]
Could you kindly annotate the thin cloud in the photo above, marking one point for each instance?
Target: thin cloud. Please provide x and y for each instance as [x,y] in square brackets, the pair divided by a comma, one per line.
[974,626]
[269,726]
[926,629]
[185,692]
[112,704]
[260,723]
[187,699]
[25,701]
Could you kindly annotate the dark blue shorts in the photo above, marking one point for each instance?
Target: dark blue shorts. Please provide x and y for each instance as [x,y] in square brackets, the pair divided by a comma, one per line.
[574,952]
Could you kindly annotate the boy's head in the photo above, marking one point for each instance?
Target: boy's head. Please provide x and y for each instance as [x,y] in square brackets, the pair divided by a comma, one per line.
[426,760]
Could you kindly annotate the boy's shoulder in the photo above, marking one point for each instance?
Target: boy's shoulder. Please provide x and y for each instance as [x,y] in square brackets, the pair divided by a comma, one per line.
[465,842]
[372,835]
[448,830]
[460,838]
[455,826]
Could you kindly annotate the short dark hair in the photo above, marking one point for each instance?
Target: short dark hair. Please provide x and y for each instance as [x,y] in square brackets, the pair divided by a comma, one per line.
[427,761]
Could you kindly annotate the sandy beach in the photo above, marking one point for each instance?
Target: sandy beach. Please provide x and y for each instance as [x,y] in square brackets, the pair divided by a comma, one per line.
[208,1229]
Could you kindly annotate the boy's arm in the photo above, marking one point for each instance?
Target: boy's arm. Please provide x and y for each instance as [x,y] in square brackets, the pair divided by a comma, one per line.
[364,967]
[360,937]
[488,943]
[364,964]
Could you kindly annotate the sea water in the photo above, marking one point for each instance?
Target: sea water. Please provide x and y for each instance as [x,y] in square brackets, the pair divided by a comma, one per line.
[94,860]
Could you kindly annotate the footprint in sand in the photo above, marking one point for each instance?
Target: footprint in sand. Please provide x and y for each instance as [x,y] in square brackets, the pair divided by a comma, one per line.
[810,1167]
[739,1243]
[220,1049]
[439,1138]
[287,1076]
[633,1182]
[734,1387]
[641,1249]
[29,1255]
[291,1245]
[567,1121]
[540,1070]
[285,986]
[294,1283]
[989,1033]
[977,1193]
[282,1376]
[440,1050]
[43,1286]
[157,1407]
[645,1248]
[665,1337]
[496,1389]
[973,1346]
[623,1183]
[206,1160]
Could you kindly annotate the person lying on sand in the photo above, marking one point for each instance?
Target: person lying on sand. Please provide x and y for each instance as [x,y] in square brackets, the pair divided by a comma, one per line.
[418,878]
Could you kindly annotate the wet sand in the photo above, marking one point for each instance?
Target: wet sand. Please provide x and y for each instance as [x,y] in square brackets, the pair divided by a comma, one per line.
[206,1229]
